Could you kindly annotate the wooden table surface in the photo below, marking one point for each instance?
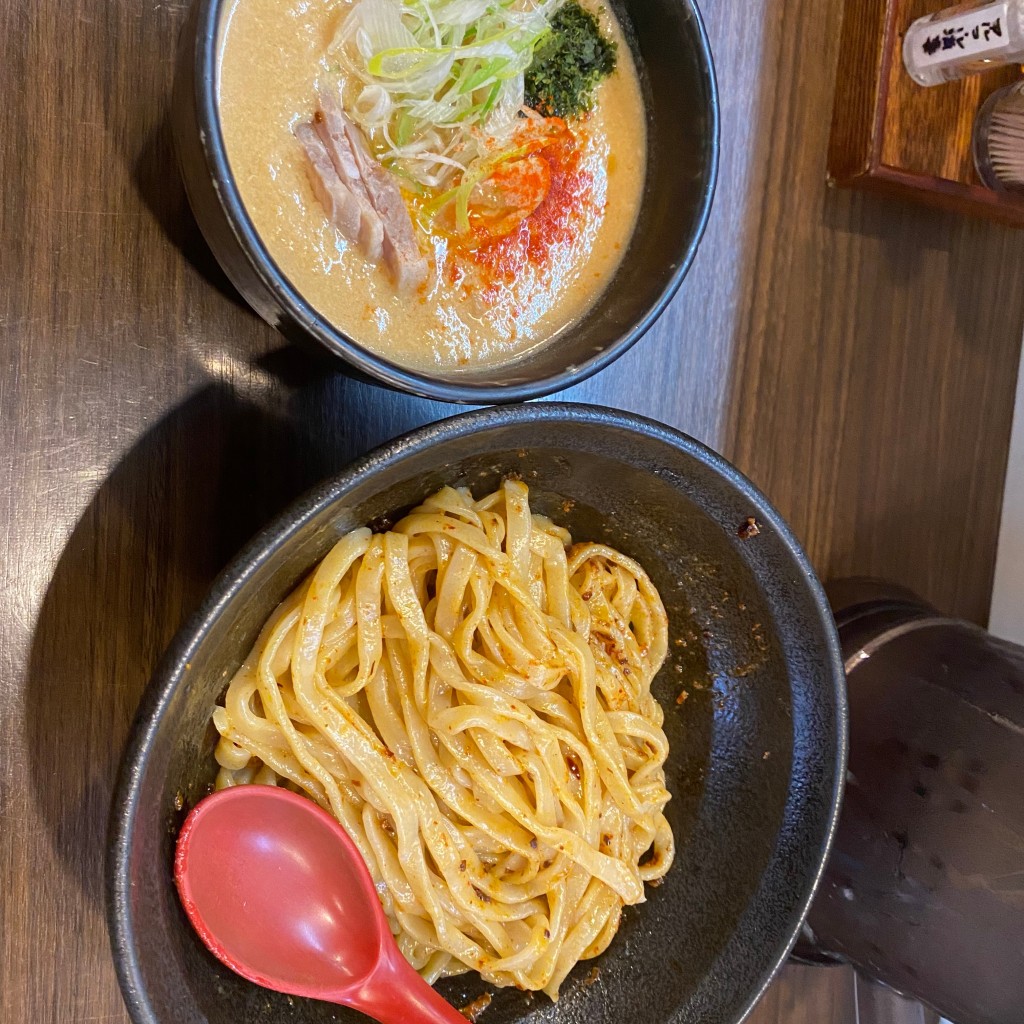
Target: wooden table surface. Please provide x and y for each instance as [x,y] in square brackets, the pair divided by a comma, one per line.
[857,358]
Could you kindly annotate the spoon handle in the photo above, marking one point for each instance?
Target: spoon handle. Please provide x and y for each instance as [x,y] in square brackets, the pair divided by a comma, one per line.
[396,994]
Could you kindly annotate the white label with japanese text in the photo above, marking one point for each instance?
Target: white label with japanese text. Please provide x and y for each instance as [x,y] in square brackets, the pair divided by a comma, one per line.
[980,33]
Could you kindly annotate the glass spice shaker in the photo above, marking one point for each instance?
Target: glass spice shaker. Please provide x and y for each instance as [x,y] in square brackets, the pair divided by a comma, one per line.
[998,140]
[964,40]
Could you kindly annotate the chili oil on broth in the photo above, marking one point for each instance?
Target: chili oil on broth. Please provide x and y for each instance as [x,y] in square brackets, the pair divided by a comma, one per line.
[272,55]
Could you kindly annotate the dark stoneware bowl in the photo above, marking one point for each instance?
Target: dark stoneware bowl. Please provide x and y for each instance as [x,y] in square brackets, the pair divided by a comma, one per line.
[671,50]
[757,749]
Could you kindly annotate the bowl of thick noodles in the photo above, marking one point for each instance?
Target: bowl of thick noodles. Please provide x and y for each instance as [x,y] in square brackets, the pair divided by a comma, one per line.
[569,683]
[476,202]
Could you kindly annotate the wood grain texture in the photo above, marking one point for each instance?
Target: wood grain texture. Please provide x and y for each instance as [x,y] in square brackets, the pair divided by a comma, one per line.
[858,108]
[864,352]
[892,137]
[815,995]
[856,357]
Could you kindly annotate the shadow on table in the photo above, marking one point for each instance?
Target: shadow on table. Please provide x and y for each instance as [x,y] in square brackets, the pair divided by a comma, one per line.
[160,527]
[917,245]
[155,173]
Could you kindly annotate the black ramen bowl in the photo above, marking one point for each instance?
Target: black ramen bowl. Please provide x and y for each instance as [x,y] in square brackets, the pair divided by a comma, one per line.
[757,749]
[671,50]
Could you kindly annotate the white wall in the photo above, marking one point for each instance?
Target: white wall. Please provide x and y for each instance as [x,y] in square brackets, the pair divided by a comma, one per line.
[1007,618]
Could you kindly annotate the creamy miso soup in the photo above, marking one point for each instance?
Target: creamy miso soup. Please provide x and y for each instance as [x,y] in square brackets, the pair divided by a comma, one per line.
[389,157]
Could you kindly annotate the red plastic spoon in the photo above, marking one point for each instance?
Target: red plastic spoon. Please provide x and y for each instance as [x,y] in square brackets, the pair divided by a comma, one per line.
[279,893]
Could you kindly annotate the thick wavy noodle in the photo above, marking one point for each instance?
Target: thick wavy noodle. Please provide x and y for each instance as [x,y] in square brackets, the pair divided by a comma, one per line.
[469,694]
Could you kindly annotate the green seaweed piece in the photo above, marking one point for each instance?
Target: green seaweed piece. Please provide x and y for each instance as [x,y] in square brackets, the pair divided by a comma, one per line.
[569,64]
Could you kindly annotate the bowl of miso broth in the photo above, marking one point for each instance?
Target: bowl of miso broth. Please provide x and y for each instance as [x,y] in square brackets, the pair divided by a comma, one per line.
[471,200]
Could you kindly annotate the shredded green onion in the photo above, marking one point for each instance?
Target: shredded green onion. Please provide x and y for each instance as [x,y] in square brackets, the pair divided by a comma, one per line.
[437,85]
[461,193]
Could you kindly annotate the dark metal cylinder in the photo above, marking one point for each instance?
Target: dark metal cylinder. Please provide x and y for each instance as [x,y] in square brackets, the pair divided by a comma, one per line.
[924,890]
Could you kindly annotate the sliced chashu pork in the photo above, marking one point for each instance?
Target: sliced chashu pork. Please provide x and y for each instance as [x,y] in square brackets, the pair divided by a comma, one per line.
[383,227]
[359,170]
[352,215]
[331,131]
[402,254]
